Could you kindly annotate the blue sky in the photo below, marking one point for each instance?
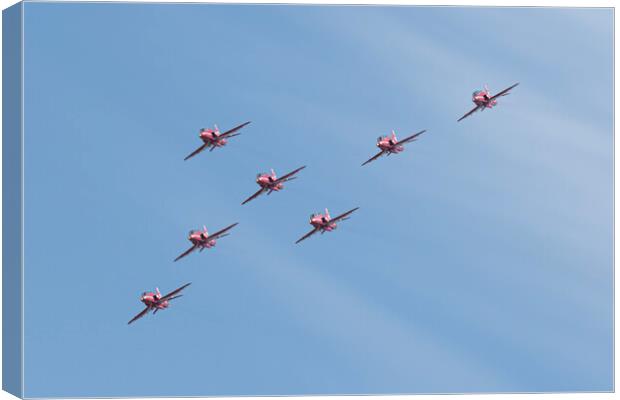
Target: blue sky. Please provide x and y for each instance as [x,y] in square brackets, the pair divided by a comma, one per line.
[480,259]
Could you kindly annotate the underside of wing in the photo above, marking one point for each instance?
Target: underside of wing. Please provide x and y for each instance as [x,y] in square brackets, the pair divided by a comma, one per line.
[341,216]
[198,150]
[307,235]
[186,253]
[410,138]
[233,130]
[285,177]
[255,195]
[473,110]
[373,158]
[504,92]
[175,291]
[220,233]
[140,315]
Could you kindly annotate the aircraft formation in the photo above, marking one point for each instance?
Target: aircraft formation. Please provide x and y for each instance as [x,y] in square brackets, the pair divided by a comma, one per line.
[269,183]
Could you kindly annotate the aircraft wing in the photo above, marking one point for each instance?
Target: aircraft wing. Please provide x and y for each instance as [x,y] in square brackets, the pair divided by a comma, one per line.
[342,216]
[470,112]
[194,247]
[140,315]
[307,235]
[255,195]
[373,158]
[175,291]
[198,150]
[410,138]
[233,130]
[220,233]
[285,177]
[504,92]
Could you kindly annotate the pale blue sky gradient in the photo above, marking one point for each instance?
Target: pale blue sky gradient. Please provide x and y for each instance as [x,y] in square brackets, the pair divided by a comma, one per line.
[480,259]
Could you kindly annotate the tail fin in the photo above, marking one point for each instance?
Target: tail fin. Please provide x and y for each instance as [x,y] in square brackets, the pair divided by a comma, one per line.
[394,135]
[327,214]
[273,173]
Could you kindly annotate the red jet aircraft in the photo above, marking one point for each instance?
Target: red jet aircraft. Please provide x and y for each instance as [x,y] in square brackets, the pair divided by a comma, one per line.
[270,182]
[155,301]
[323,223]
[213,138]
[202,239]
[389,145]
[483,99]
